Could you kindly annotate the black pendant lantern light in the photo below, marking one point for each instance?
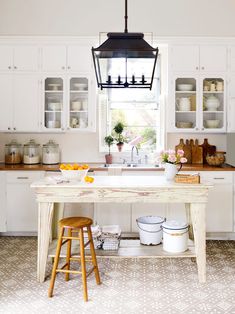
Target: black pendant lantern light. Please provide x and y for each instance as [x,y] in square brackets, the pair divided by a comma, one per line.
[117,61]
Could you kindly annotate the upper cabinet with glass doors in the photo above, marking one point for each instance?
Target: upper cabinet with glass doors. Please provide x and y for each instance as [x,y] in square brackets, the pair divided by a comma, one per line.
[78,114]
[199,105]
[53,104]
[67,104]
[197,98]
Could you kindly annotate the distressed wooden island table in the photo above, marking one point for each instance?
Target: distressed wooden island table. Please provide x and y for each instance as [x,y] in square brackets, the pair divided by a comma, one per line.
[123,189]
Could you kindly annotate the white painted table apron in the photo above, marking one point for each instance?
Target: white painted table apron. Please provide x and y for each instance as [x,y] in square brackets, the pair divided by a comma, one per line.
[121,189]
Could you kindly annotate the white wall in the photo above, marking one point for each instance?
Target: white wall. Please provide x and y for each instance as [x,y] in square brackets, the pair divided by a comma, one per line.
[88,17]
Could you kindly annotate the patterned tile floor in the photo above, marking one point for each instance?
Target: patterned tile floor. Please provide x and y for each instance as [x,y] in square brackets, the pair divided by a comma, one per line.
[128,285]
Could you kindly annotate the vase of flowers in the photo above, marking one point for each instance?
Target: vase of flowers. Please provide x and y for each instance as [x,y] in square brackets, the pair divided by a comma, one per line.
[171,159]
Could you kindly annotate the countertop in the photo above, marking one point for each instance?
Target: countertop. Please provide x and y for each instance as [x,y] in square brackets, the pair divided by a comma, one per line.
[100,167]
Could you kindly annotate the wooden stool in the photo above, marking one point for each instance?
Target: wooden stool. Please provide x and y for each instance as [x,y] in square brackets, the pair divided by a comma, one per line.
[75,225]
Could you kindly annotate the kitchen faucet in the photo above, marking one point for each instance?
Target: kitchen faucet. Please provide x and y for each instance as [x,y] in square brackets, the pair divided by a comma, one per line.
[132,153]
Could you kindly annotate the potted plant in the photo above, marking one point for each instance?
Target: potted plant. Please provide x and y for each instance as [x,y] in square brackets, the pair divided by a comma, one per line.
[109,141]
[118,129]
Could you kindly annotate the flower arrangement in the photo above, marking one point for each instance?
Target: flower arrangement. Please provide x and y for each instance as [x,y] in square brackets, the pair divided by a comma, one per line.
[172,157]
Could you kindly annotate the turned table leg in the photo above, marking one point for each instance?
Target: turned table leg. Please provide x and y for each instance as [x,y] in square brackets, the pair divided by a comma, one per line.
[45,214]
[199,228]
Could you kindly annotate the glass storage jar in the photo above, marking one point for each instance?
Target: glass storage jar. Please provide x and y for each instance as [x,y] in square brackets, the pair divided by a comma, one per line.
[31,153]
[50,153]
[13,153]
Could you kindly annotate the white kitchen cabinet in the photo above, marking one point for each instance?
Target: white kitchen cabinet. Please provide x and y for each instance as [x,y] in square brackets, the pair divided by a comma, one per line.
[19,99]
[231,104]
[71,58]
[21,202]
[184,58]
[54,58]
[197,117]
[19,58]
[203,58]
[79,58]
[219,210]
[3,208]
[68,104]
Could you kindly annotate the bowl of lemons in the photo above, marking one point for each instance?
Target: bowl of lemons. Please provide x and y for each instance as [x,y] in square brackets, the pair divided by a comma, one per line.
[74,172]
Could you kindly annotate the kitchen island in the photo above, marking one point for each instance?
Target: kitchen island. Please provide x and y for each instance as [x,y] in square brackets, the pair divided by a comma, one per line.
[119,189]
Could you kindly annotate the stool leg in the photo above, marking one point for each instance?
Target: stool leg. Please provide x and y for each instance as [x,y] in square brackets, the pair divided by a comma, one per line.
[93,255]
[83,264]
[68,255]
[56,262]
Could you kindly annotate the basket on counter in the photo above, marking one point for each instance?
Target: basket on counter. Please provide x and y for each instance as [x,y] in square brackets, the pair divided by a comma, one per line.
[216,160]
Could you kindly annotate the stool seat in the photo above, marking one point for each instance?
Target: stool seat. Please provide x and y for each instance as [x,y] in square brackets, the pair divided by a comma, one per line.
[75,222]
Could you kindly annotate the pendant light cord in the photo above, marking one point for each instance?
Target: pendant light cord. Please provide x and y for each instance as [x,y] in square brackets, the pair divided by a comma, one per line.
[126,17]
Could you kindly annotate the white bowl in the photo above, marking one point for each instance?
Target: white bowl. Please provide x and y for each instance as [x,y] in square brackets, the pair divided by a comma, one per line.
[76,175]
[80,86]
[184,125]
[76,105]
[211,124]
[185,87]
[54,86]
[52,124]
[54,106]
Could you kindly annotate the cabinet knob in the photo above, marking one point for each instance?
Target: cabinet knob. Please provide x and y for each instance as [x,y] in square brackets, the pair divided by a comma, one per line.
[62,129]
[15,67]
[197,68]
[8,128]
[196,129]
[203,129]
[9,67]
[63,68]
[68,128]
[203,68]
[14,129]
[69,67]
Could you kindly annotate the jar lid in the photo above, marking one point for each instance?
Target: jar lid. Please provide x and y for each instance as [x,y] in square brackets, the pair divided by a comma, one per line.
[13,143]
[31,143]
[50,143]
[174,225]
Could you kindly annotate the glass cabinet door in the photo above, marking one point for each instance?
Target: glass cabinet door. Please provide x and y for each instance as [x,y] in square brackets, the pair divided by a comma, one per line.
[213,104]
[185,103]
[78,103]
[53,103]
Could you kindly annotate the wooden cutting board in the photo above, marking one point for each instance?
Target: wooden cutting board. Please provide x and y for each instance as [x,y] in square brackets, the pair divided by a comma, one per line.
[207,149]
[197,153]
[188,152]
[180,145]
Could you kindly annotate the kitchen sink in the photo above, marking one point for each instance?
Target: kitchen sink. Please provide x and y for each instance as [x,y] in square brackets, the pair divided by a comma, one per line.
[129,166]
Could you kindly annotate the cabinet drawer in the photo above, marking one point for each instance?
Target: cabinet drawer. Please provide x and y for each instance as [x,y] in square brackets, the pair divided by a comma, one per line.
[23,176]
[217,177]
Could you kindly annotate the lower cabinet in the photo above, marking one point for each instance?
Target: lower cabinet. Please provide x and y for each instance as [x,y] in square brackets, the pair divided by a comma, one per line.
[20,201]
[219,211]
[3,210]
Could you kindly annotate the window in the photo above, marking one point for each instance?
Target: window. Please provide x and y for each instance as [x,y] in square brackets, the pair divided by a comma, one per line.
[137,109]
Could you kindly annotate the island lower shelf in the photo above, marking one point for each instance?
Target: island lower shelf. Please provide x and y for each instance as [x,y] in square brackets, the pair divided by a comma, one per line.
[128,249]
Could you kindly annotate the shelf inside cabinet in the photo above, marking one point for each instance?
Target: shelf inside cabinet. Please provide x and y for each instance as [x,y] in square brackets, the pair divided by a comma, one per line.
[54,91]
[79,91]
[185,92]
[78,111]
[205,111]
[53,110]
[211,92]
[191,111]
